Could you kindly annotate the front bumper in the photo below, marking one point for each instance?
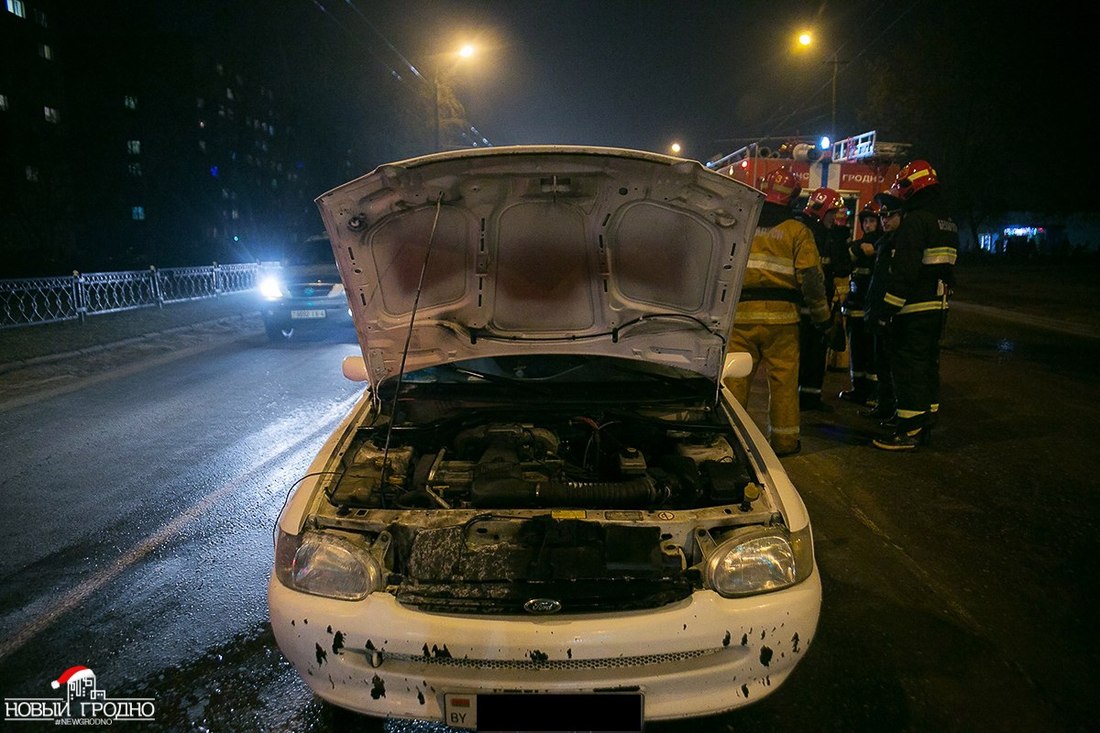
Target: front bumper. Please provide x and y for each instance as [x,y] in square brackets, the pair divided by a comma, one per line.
[702,656]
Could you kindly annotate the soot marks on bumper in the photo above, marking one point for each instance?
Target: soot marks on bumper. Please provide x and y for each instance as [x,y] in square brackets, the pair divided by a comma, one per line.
[436,653]
[725,639]
[337,642]
[794,643]
[765,655]
[377,687]
[322,655]
[538,657]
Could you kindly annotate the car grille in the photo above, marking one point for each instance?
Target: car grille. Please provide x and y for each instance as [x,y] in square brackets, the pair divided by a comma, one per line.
[525,665]
[574,597]
[310,290]
[541,566]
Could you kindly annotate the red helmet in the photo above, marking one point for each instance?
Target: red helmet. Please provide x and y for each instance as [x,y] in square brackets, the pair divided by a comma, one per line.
[912,178]
[781,186]
[822,201]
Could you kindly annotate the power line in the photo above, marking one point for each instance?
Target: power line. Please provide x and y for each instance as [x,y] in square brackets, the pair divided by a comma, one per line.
[405,63]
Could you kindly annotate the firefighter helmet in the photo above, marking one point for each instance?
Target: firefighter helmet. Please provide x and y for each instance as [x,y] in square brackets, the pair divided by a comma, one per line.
[781,186]
[888,203]
[822,201]
[913,177]
[870,210]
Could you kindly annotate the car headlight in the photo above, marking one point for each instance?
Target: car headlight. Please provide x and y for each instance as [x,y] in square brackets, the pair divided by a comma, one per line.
[759,560]
[271,287]
[327,565]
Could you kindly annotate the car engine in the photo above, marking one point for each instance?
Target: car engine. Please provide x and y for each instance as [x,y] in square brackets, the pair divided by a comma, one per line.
[578,461]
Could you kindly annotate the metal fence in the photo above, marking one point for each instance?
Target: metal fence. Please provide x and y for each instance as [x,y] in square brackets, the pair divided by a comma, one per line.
[33,300]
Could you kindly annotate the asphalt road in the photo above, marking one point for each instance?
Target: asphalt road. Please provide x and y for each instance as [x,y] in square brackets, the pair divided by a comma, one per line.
[141,484]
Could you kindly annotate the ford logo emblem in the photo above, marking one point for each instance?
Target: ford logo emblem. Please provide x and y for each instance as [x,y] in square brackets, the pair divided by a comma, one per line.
[542,606]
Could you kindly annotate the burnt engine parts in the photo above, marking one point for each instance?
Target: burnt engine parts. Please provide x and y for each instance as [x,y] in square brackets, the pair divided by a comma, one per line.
[579,464]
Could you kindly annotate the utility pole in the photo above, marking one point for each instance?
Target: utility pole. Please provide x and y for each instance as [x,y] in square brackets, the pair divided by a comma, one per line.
[836,64]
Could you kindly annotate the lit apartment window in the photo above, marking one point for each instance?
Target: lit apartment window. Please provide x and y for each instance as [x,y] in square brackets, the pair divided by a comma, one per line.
[45,51]
[32,174]
[16,7]
[235,214]
[51,114]
[229,93]
[137,213]
[3,102]
[202,145]
[129,102]
[133,147]
[135,170]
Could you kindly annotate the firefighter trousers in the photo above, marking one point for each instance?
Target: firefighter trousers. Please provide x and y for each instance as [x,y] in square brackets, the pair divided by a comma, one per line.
[914,344]
[861,357]
[811,369]
[776,347]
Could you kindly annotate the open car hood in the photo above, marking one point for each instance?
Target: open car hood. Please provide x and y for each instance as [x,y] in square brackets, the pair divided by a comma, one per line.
[541,250]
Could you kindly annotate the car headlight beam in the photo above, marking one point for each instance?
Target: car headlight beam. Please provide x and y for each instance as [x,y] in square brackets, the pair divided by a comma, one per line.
[759,560]
[325,564]
[271,287]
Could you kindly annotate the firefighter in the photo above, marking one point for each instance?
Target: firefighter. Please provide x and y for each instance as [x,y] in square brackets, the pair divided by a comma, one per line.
[861,367]
[784,271]
[914,305]
[889,210]
[820,216]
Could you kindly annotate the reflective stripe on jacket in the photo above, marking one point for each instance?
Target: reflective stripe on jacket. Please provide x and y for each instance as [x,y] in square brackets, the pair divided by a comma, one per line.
[779,254]
[922,268]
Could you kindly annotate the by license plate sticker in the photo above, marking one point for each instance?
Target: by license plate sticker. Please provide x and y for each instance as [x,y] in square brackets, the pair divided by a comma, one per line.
[307,314]
[589,711]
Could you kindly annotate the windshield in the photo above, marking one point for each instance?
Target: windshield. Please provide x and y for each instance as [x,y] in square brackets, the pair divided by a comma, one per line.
[314,251]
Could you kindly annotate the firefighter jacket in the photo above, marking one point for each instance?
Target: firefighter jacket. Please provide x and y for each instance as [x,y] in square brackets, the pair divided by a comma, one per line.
[922,270]
[862,265]
[832,249]
[783,272]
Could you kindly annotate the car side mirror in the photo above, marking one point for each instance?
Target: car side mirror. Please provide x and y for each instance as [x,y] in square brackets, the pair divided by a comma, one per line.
[355,368]
[738,364]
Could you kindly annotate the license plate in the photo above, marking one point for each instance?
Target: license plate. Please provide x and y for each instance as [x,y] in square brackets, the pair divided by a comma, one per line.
[307,314]
[589,711]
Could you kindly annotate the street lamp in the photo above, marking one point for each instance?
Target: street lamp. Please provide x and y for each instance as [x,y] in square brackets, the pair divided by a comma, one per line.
[675,148]
[805,38]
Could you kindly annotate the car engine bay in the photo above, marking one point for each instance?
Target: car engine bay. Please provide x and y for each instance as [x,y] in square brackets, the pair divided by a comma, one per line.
[565,461]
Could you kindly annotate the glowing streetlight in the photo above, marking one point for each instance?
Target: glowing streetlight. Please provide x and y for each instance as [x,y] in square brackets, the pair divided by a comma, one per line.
[675,148]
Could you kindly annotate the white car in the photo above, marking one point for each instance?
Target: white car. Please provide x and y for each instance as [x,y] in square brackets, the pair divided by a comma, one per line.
[545,503]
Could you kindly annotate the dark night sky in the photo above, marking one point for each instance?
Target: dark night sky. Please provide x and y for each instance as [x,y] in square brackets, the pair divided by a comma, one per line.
[642,74]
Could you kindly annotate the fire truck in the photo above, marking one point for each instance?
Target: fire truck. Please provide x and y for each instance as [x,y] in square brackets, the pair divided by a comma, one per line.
[856,167]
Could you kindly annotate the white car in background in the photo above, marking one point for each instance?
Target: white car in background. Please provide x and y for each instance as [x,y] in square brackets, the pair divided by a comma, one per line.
[544,504]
